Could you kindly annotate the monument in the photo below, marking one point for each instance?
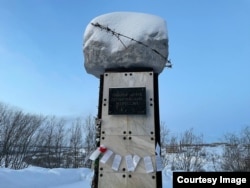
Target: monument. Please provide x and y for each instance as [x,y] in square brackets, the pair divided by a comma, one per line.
[127,51]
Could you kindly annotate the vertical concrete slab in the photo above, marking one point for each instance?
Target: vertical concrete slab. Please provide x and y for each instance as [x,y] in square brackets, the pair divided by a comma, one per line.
[128,134]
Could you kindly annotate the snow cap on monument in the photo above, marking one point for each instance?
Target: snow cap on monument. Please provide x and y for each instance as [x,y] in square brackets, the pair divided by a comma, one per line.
[125,40]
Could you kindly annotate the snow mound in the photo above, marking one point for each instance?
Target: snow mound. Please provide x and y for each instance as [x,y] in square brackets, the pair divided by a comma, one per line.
[125,40]
[45,178]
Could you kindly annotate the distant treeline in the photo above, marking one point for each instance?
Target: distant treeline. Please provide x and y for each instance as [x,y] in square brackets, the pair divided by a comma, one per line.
[52,142]
[45,141]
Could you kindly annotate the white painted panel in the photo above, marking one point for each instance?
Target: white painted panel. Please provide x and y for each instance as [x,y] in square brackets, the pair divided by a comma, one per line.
[128,134]
[136,180]
[112,180]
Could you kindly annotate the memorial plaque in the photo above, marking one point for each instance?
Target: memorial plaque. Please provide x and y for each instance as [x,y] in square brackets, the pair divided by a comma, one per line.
[125,101]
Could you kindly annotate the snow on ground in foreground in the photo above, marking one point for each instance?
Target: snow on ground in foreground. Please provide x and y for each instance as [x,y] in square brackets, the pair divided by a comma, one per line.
[36,177]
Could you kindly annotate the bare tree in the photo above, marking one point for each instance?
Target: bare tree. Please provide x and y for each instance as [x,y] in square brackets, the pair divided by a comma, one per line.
[172,147]
[4,116]
[49,143]
[76,142]
[236,154]
[164,134]
[24,140]
[191,151]
[59,138]
[90,135]
[17,130]
[11,137]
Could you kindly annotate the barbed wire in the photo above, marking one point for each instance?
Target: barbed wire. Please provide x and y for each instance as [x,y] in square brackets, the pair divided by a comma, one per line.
[119,35]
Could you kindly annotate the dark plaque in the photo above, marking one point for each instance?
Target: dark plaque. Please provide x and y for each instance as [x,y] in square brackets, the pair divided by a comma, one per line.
[124,101]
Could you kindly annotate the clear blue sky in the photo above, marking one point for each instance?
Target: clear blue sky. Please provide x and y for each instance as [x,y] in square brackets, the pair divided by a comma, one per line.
[208,89]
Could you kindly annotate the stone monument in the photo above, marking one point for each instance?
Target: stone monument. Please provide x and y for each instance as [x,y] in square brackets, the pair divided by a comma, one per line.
[127,51]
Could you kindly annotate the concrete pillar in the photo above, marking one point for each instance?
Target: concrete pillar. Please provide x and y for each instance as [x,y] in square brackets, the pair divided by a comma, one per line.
[129,114]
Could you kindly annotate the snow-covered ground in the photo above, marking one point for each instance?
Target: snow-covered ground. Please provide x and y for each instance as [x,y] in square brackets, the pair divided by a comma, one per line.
[36,177]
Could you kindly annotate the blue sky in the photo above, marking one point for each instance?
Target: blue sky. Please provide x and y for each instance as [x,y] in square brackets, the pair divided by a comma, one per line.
[208,88]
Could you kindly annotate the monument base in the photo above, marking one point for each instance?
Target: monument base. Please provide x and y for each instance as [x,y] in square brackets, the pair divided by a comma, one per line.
[129,129]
